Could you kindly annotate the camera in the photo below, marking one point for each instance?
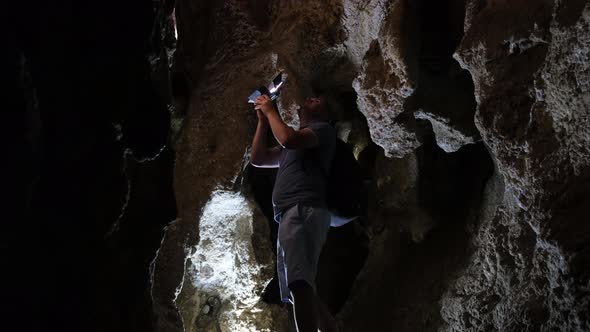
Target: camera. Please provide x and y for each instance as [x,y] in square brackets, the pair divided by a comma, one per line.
[272,90]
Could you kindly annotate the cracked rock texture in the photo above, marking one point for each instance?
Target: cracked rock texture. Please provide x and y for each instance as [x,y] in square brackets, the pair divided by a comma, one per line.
[529,269]
[379,42]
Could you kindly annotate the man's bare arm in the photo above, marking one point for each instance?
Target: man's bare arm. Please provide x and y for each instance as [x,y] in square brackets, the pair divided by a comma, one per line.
[289,137]
[260,154]
[285,135]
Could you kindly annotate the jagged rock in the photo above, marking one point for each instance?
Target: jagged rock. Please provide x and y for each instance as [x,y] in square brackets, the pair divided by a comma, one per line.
[377,43]
[447,138]
[529,62]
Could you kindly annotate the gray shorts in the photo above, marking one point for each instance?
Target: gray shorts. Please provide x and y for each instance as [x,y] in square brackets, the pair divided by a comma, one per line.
[302,233]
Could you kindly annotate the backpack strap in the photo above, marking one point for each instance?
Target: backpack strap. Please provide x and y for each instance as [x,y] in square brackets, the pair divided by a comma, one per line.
[311,154]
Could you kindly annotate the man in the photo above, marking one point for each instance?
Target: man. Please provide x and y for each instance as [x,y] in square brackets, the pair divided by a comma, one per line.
[299,202]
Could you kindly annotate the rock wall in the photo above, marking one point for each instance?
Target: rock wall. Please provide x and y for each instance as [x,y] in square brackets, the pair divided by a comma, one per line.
[470,120]
[529,63]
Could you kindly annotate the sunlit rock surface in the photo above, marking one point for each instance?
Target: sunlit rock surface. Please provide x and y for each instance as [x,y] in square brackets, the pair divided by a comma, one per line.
[227,273]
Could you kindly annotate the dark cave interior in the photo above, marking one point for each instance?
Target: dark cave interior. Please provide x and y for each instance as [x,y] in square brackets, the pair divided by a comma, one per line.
[91,137]
[98,96]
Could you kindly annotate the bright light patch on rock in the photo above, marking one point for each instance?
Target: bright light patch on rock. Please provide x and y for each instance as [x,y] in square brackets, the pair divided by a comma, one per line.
[174,22]
[225,267]
[223,254]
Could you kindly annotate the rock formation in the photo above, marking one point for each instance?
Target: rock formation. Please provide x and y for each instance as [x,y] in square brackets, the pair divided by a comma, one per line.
[470,120]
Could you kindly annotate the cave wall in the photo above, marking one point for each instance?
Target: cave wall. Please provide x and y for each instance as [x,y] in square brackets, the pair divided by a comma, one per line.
[470,119]
[530,69]
[524,260]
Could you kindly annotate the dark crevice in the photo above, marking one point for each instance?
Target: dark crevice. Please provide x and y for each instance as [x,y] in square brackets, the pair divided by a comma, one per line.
[449,190]
[450,186]
[123,290]
[448,182]
[444,89]
[441,30]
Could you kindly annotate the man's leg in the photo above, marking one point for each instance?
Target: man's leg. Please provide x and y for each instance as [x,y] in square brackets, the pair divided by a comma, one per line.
[305,306]
[308,308]
[282,274]
[303,232]
[327,321]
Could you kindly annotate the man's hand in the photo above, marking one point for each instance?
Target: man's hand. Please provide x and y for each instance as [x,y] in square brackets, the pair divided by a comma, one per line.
[264,104]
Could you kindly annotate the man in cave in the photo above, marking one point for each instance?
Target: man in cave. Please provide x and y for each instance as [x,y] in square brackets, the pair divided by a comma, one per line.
[303,160]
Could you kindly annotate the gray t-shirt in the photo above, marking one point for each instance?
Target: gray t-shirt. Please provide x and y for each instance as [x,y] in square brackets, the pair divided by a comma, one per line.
[300,178]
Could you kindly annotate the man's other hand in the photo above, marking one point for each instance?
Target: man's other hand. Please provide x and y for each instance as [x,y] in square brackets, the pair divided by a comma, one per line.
[264,104]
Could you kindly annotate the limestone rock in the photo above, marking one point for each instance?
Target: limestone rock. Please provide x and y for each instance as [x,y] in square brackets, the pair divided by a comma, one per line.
[529,62]
[386,77]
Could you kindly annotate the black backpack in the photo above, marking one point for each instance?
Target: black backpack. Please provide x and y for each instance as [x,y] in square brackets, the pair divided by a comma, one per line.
[344,185]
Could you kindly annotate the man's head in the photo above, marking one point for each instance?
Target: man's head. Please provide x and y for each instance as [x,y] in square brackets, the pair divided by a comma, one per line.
[314,109]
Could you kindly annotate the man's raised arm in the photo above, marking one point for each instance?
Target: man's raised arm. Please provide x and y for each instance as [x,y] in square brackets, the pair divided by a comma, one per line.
[260,154]
[287,137]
